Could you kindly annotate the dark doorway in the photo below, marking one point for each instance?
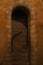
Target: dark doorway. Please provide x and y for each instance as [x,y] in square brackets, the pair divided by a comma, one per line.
[21,15]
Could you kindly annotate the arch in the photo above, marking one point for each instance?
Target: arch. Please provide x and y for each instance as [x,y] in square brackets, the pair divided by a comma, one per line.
[21,14]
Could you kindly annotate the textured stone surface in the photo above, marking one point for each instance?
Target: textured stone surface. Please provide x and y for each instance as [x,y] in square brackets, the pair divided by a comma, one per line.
[36,9]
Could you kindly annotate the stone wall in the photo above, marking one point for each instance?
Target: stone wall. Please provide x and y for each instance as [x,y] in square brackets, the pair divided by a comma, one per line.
[36,9]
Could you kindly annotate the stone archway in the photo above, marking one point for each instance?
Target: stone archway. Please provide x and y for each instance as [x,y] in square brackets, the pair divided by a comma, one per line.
[21,42]
[8,10]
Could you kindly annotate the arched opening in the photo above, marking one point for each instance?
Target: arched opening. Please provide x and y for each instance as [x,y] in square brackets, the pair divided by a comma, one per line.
[21,14]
